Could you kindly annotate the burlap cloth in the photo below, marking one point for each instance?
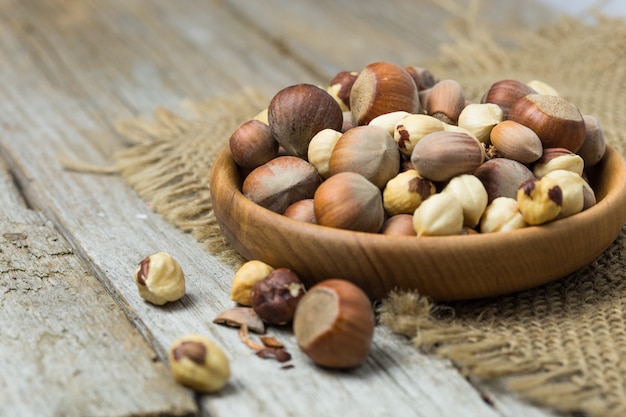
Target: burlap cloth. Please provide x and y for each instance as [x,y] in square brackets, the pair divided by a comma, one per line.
[561,345]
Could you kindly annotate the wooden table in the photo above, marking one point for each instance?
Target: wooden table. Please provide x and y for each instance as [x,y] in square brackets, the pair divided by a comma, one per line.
[75,338]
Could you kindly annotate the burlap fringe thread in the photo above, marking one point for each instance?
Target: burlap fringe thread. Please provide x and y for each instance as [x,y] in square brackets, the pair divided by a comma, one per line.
[532,340]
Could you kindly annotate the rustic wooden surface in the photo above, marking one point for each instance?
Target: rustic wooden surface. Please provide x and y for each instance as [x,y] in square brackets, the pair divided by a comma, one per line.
[75,338]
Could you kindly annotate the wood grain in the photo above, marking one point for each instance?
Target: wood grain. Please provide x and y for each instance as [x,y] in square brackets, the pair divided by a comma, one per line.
[70,70]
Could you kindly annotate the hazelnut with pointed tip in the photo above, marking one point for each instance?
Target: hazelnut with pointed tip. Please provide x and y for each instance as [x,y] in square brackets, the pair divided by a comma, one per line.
[160,279]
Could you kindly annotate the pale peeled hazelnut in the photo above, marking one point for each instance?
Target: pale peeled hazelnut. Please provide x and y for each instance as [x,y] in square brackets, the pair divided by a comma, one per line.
[262,116]
[302,210]
[440,156]
[572,188]
[440,215]
[480,119]
[399,225]
[540,200]
[349,201]
[340,87]
[296,113]
[388,121]
[405,192]
[515,141]
[244,279]
[556,121]
[160,279]
[334,324]
[411,129]
[252,144]
[458,129]
[502,177]
[423,78]
[380,88]
[506,92]
[502,215]
[446,100]
[198,363]
[275,297]
[469,190]
[320,148]
[543,88]
[367,150]
[558,158]
[281,182]
[594,146]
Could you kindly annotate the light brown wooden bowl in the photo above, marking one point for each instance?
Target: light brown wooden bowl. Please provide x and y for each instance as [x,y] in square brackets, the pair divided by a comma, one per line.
[443,268]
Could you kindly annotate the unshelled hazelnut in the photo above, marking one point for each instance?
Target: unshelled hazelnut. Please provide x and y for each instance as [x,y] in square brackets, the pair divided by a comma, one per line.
[382,87]
[471,192]
[594,146]
[334,324]
[349,201]
[366,150]
[252,144]
[423,78]
[440,156]
[198,363]
[281,182]
[440,215]
[411,129]
[244,279]
[556,121]
[446,100]
[539,200]
[276,296]
[506,92]
[502,215]
[516,141]
[502,177]
[480,119]
[160,279]
[399,225]
[296,113]
[320,149]
[303,210]
[405,192]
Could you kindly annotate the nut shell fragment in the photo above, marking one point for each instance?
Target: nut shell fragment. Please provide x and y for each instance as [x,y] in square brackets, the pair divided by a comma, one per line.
[239,317]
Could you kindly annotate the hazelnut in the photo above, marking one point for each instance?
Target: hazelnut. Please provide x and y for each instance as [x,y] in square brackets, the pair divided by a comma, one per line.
[594,145]
[558,158]
[160,279]
[480,119]
[502,177]
[367,150]
[276,296]
[539,200]
[411,129]
[542,88]
[399,225]
[341,86]
[262,117]
[423,78]
[405,192]
[349,201]
[388,121]
[515,141]
[440,156]
[572,188]
[380,88]
[281,182]
[469,190]
[440,215]
[296,113]
[556,121]
[198,363]
[302,210]
[244,279]
[320,148]
[446,100]
[252,144]
[506,92]
[334,324]
[502,215]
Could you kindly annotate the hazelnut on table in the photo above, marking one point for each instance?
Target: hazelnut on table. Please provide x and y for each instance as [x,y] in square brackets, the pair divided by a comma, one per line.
[160,279]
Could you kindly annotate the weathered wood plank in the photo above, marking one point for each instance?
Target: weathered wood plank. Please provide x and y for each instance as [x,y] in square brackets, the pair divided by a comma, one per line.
[66,348]
[77,67]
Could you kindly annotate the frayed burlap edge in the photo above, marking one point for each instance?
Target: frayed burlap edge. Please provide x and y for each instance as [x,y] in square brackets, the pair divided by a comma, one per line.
[162,175]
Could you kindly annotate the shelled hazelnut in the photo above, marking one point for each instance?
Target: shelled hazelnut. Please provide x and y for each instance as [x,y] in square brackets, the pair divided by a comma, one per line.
[160,279]
[244,279]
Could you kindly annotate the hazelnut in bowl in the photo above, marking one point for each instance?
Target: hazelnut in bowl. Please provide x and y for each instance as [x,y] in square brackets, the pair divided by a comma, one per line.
[444,268]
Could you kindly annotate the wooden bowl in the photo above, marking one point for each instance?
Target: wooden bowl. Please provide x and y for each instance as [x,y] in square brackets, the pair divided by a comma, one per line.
[443,268]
